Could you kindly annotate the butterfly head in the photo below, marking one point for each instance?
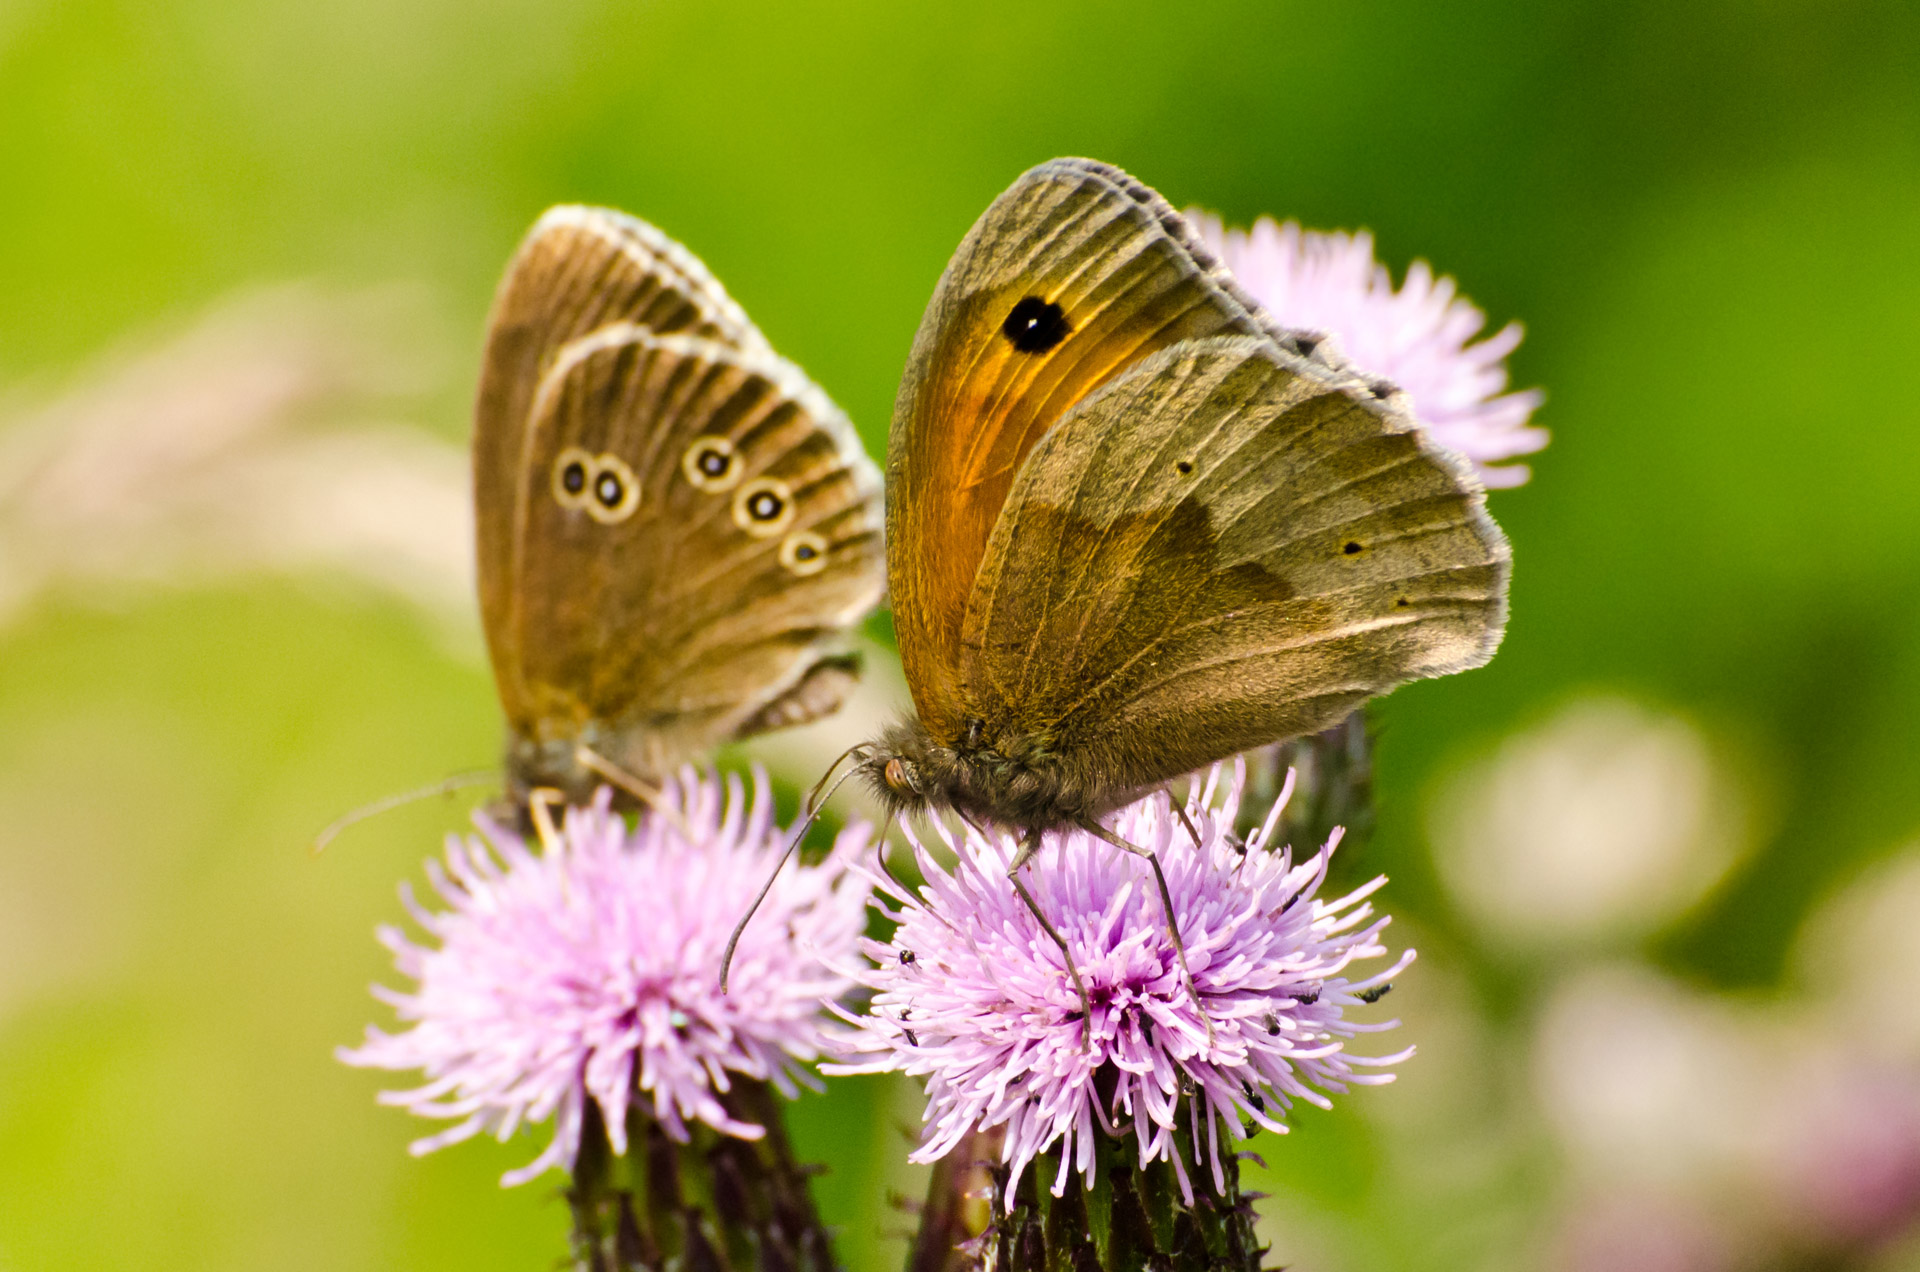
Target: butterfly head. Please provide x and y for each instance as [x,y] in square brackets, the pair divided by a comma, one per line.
[901,767]
[985,776]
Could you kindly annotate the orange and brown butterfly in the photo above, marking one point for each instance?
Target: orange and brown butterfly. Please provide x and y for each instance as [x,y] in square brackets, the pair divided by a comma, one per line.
[677,528]
[1135,526]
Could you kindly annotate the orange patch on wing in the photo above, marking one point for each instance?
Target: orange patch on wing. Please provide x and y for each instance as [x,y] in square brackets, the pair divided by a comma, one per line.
[983,406]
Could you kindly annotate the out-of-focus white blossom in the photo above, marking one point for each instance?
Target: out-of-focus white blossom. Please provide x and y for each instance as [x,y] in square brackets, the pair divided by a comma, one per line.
[1605,820]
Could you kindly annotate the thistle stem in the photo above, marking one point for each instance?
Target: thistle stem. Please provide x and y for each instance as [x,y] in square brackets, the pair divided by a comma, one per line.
[716,1203]
[1131,1218]
[959,1206]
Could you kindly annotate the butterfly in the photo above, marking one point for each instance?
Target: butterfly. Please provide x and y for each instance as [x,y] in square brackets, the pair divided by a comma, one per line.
[1135,526]
[676,527]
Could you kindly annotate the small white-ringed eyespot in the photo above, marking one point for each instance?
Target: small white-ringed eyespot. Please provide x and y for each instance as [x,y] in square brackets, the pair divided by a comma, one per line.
[711,464]
[613,494]
[804,552]
[573,469]
[763,507]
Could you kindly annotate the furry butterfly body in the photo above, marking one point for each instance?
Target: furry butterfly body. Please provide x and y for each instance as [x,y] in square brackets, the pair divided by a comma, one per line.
[676,527]
[1135,526]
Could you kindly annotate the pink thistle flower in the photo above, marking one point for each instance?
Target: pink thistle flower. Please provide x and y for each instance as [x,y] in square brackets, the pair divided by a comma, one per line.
[591,971]
[972,995]
[1421,337]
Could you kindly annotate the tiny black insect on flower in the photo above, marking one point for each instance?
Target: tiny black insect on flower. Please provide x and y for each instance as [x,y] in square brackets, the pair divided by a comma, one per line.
[907,958]
[1375,994]
[1035,325]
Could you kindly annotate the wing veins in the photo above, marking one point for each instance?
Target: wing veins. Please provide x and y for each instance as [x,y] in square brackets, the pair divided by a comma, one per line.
[1166,511]
[1005,387]
[1248,655]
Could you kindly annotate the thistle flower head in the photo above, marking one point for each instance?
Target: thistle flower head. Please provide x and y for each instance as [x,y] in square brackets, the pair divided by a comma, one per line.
[1422,336]
[974,996]
[590,970]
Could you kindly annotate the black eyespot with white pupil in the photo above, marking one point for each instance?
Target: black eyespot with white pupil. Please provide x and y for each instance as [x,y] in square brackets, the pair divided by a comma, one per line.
[714,462]
[1035,325]
[805,552]
[609,490]
[574,477]
[764,507]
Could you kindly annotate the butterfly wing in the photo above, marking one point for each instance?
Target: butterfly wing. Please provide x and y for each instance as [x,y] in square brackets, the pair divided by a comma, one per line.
[1072,276]
[1226,546]
[676,525]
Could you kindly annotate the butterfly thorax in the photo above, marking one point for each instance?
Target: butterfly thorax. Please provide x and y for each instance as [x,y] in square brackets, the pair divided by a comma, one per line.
[1007,779]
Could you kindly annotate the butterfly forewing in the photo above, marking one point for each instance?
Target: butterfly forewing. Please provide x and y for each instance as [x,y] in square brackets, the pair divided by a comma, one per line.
[1226,546]
[1071,277]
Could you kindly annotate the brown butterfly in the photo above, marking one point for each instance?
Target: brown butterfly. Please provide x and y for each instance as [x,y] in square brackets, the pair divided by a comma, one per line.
[1134,526]
[676,527]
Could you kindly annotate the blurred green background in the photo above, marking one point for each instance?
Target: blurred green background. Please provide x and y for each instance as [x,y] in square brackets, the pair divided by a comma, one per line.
[246,250]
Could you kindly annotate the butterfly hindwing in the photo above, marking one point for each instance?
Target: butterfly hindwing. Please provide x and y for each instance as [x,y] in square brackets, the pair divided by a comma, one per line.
[577,270]
[1225,546]
[676,525]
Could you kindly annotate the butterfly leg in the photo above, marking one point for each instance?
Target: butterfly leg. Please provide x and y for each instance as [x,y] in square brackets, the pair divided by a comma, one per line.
[649,795]
[1180,812]
[1166,905]
[541,801]
[1029,846]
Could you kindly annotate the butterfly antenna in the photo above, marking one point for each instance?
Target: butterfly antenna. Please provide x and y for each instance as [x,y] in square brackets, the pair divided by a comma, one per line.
[806,824]
[633,784]
[858,750]
[476,777]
